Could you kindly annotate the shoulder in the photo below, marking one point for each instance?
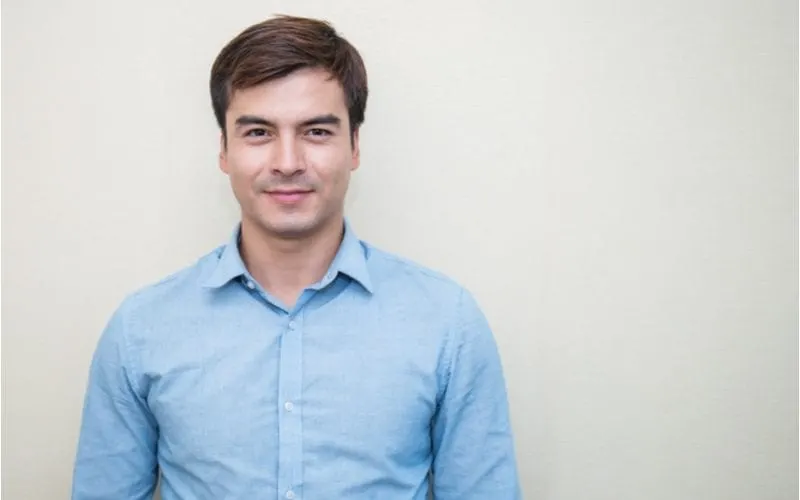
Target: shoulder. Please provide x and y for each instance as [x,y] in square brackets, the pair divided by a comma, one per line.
[441,302]
[143,308]
[171,292]
[390,269]
[399,276]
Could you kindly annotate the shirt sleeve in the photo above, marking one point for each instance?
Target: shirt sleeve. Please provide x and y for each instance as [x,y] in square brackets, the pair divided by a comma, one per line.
[473,448]
[116,454]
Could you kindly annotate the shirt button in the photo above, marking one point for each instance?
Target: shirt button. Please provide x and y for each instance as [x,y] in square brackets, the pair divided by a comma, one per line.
[289,406]
[250,284]
[292,325]
[290,494]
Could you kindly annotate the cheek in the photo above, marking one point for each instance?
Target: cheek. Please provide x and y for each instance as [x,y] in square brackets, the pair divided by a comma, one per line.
[245,166]
[333,171]
[333,182]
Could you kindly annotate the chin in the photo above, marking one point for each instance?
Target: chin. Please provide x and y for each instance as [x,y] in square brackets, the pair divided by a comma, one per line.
[293,227]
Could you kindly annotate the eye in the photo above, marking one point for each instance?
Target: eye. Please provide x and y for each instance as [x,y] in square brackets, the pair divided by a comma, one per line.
[256,132]
[319,132]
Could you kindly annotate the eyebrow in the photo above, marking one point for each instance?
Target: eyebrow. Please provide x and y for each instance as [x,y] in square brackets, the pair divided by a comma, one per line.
[329,119]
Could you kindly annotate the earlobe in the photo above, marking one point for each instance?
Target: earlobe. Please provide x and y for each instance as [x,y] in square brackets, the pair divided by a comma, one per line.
[223,165]
[356,151]
[223,161]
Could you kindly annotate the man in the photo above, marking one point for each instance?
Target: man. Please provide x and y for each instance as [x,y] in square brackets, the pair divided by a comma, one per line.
[296,361]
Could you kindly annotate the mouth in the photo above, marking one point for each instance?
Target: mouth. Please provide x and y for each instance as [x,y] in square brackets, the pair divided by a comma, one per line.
[289,196]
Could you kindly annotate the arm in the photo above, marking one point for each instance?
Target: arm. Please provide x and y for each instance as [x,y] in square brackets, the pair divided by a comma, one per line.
[116,456]
[473,449]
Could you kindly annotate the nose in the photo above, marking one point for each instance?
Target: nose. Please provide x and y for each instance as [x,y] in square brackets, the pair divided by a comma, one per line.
[288,157]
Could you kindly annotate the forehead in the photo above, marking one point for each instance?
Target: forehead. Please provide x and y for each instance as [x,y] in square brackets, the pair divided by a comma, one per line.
[304,93]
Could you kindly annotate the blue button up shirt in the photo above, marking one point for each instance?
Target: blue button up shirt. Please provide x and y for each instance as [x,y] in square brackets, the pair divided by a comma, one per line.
[383,380]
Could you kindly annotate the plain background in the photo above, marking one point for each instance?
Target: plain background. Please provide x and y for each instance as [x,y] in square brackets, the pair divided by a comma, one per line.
[615,181]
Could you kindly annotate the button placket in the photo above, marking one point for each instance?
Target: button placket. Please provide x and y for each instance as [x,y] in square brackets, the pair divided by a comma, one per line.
[290,431]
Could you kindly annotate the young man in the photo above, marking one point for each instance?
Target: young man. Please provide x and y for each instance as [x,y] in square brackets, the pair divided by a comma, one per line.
[296,361]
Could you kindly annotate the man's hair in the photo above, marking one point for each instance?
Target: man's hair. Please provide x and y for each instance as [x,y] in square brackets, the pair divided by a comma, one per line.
[278,46]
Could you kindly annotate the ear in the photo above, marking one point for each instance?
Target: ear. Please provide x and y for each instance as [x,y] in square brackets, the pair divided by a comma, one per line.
[356,150]
[223,153]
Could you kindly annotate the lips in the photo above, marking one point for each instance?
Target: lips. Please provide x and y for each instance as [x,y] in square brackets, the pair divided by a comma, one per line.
[289,196]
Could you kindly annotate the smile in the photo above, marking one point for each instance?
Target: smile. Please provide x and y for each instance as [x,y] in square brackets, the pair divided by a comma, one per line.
[289,197]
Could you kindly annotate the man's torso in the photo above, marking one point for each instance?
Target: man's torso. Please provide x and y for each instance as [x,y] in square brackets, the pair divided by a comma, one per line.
[330,399]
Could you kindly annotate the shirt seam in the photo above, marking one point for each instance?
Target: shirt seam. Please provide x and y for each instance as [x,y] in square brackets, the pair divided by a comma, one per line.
[128,366]
[451,343]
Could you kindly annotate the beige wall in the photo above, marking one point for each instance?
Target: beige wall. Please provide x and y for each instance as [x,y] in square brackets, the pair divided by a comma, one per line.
[616,181]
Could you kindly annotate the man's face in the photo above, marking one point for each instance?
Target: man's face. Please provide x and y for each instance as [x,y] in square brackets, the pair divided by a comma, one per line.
[289,153]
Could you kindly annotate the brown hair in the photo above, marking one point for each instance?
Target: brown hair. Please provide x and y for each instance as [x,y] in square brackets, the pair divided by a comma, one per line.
[278,46]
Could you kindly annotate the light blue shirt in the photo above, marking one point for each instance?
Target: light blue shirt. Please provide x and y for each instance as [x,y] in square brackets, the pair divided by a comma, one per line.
[382,372]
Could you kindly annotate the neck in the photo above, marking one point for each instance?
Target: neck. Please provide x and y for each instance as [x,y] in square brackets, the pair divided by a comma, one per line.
[284,267]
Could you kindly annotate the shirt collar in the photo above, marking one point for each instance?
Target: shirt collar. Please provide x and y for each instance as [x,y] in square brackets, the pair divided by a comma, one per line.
[350,260]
